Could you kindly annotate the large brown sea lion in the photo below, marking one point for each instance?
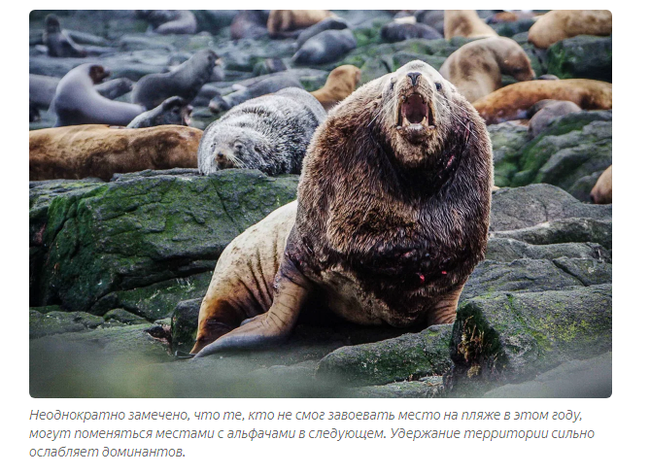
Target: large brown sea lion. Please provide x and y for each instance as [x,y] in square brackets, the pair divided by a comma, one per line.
[475,68]
[602,190]
[391,218]
[466,23]
[340,83]
[283,22]
[557,25]
[99,151]
[512,102]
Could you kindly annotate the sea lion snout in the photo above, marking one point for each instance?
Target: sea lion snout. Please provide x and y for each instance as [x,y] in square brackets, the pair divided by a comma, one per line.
[414,77]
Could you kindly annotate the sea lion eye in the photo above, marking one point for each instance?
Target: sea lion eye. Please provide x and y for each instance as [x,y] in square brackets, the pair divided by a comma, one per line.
[438,86]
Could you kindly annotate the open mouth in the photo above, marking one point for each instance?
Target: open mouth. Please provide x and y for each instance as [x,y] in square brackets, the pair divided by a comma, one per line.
[415,113]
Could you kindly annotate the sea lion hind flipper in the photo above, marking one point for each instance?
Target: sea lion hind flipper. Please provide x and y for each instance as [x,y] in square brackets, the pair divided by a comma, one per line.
[292,290]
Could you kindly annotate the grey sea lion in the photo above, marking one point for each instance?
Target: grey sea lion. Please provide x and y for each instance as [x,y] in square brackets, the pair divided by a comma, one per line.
[115,87]
[268,133]
[170,22]
[266,85]
[76,100]
[476,68]
[391,218]
[396,31]
[433,18]
[325,47]
[173,111]
[287,23]
[58,42]
[184,81]
[330,23]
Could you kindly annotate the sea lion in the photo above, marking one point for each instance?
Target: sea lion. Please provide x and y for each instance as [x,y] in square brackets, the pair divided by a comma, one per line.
[185,81]
[511,102]
[267,85]
[433,18]
[99,151]
[340,83]
[249,24]
[557,25]
[77,102]
[285,22]
[391,218]
[400,31]
[602,191]
[170,22]
[331,23]
[268,133]
[466,23]
[115,87]
[173,111]
[58,42]
[475,68]
[325,47]
[546,111]
[34,113]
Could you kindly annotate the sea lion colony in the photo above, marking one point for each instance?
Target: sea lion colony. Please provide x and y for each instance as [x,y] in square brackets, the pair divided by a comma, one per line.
[365,266]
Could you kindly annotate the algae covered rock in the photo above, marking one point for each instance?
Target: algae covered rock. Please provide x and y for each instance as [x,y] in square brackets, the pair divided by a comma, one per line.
[143,236]
[584,57]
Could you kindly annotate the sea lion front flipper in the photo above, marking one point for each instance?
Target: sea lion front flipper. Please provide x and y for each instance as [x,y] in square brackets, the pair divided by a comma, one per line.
[444,312]
[292,290]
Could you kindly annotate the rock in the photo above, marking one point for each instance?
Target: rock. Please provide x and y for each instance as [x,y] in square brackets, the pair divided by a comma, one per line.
[184,324]
[527,206]
[143,236]
[122,316]
[426,387]
[507,250]
[591,378]
[56,322]
[551,110]
[512,28]
[585,57]
[402,358]
[213,21]
[514,336]
[574,229]
[507,140]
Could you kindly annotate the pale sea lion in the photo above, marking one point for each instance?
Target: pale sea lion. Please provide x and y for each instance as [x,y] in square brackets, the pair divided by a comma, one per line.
[476,68]
[511,102]
[268,133]
[249,24]
[77,102]
[394,244]
[466,23]
[185,81]
[557,25]
[58,42]
[99,151]
[325,47]
[284,22]
[340,83]
[173,111]
[602,191]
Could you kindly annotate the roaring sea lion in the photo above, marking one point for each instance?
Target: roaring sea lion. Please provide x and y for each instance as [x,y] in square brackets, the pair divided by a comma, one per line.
[511,102]
[391,218]
[268,133]
[173,111]
[557,25]
[284,22]
[340,83]
[185,81]
[475,68]
[249,24]
[325,47]
[99,151]
[170,22]
[77,102]
[466,23]
[602,191]
[399,31]
[58,42]
[267,85]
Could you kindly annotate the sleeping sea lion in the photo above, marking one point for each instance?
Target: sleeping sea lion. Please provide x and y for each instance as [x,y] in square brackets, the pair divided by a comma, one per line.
[557,25]
[340,83]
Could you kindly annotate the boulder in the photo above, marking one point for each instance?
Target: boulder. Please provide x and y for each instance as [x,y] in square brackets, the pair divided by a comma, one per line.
[584,57]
